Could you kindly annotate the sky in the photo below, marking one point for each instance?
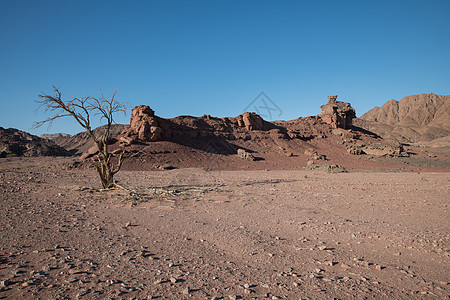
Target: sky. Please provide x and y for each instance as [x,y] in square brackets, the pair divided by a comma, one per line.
[219,57]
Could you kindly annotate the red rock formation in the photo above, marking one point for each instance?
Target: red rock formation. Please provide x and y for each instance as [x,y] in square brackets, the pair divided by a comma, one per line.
[250,121]
[144,125]
[337,113]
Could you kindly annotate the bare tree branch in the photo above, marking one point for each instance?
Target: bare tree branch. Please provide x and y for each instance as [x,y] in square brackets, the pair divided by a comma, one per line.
[81,109]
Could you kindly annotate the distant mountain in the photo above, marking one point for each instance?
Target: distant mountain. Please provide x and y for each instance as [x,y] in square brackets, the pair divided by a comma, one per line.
[81,142]
[14,142]
[415,118]
[50,136]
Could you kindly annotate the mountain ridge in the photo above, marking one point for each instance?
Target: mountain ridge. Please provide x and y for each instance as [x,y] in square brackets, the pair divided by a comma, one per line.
[415,118]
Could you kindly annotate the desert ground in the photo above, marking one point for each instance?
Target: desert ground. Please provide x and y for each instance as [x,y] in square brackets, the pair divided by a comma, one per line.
[197,233]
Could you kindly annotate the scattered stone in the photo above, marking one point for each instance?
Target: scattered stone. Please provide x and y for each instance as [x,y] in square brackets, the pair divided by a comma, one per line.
[5,283]
[329,168]
[245,155]
[82,293]
[186,291]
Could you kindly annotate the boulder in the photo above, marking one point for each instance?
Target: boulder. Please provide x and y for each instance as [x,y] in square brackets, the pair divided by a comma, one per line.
[245,155]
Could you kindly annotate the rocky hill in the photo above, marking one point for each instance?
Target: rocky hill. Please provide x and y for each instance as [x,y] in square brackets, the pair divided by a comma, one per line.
[14,142]
[246,141]
[50,136]
[81,142]
[415,118]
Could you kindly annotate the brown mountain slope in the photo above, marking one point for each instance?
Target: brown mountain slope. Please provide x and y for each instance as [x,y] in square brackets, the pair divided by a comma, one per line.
[81,142]
[14,142]
[414,118]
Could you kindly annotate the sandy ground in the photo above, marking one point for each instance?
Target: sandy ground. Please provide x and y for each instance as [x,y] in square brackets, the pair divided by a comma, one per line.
[198,234]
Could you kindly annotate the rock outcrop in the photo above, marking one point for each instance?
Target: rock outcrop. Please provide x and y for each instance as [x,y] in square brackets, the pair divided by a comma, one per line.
[250,121]
[144,125]
[337,113]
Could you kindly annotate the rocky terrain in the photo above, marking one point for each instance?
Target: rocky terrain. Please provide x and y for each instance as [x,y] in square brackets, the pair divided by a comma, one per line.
[202,234]
[320,207]
[249,142]
[81,142]
[14,142]
[416,118]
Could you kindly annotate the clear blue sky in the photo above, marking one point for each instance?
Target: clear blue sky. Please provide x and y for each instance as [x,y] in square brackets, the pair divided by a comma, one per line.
[214,57]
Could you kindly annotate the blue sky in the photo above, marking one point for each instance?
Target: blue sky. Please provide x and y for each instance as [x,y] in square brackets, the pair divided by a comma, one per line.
[215,57]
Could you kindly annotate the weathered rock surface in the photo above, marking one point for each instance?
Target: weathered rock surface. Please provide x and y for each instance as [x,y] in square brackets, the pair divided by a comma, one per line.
[250,121]
[245,155]
[414,118]
[14,142]
[144,126]
[337,113]
[390,148]
[330,168]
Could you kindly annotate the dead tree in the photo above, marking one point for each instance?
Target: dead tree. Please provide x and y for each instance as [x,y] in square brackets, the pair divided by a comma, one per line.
[82,109]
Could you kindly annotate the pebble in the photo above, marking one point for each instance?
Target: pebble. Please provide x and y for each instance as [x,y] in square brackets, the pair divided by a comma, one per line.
[5,283]
[45,268]
[71,279]
[82,293]
[186,291]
